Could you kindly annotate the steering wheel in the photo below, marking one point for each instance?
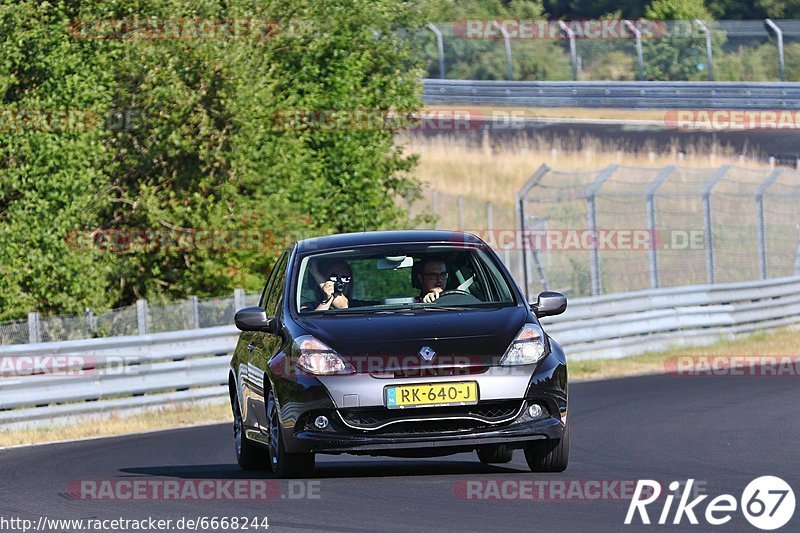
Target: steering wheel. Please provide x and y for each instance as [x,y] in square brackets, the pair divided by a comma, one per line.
[456,297]
[454,291]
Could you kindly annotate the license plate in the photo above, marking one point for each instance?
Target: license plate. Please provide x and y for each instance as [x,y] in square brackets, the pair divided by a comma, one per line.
[431,394]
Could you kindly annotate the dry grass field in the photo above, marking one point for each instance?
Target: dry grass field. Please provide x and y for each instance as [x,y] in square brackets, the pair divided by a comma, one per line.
[495,170]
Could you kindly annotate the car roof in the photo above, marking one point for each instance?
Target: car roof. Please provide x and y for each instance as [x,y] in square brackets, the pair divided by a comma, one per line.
[346,240]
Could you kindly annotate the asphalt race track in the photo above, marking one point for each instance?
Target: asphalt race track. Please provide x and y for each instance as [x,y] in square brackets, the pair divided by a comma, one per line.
[721,431]
[636,135]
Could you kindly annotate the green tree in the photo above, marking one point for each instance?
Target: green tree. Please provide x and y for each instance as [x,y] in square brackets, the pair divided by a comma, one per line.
[484,58]
[681,54]
[54,93]
[203,154]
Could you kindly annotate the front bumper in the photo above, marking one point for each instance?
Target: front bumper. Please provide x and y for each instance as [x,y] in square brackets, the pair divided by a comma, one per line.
[302,398]
[512,435]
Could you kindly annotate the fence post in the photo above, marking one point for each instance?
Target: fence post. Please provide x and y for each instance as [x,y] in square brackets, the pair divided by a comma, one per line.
[709,55]
[573,54]
[440,45]
[708,237]
[141,316]
[762,235]
[195,303]
[519,203]
[460,213]
[591,192]
[238,299]
[435,202]
[507,42]
[34,328]
[651,222]
[779,35]
[639,55]
[91,322]
[489,217]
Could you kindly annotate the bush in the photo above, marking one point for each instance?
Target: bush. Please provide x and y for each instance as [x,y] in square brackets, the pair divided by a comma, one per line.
[204,155]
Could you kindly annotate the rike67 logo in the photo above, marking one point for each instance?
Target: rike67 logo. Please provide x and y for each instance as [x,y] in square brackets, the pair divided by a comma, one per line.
[767,503]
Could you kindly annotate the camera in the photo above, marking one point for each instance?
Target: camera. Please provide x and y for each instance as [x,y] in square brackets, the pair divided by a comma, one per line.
[339,286]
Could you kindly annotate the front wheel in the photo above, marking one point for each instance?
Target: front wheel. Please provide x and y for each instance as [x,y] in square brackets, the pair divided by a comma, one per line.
[551,455]
[495,454]
[284,464]
[248,455]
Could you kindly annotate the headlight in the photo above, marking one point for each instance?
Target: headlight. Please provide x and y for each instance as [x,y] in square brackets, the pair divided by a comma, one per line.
[315,357]
[527,347]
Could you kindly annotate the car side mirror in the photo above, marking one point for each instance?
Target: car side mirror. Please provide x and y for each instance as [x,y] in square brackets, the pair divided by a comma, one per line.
[253,319]
[549,303]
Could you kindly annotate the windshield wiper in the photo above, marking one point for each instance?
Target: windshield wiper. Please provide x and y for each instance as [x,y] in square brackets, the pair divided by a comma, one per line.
[425,307]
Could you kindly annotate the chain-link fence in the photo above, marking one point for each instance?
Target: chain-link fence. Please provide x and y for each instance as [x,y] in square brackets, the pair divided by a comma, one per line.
[612,49]
[622,229]
[584,233]
[130,320]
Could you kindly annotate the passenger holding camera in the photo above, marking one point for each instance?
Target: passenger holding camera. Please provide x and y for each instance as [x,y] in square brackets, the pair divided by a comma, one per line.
[335,286]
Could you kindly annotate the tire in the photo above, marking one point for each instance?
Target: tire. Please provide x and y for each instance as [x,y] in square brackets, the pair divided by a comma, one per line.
[284,464]
[249,455]
[495,454]
[551,455]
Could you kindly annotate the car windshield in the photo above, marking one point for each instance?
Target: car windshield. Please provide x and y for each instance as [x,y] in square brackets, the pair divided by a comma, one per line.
[395,277]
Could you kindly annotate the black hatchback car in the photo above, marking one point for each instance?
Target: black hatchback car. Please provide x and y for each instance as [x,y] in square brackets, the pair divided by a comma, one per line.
[396,343]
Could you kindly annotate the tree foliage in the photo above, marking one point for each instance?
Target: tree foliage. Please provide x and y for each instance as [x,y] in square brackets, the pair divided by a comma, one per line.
[201,152]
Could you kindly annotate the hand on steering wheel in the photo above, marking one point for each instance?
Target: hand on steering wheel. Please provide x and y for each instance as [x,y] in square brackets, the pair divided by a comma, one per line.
[455,291]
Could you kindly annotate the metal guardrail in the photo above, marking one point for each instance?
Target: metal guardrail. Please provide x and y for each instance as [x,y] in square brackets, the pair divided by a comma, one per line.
[137,372]
[619,94]
[55,380]
[617,325]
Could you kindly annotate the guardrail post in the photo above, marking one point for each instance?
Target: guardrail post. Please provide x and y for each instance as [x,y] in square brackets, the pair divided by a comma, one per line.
[238,299]
[34,328]
[779,34]
[639,56]
[141,316]
[709,54]
[761,228]
[592,210]
[507,42]
[651,222]
[440,45]
[708,236]
[573,54]
[195,303]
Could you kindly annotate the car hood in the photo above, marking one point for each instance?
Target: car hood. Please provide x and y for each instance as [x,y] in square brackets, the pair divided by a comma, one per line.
[386,342]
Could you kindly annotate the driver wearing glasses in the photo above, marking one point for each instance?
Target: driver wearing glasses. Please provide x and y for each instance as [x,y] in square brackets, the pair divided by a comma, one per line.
[432,277]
